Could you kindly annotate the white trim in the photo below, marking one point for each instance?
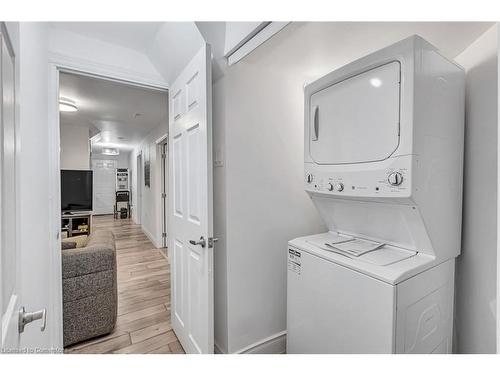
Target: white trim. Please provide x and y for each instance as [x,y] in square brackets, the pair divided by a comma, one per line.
[259,38]
[107,72]
[498,201]
[59,63]
[150,236]
[54,218]
[275,344]
[162,139]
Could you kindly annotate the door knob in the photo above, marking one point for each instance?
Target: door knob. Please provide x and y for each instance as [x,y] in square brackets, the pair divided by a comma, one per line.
[26,318]
[201,242]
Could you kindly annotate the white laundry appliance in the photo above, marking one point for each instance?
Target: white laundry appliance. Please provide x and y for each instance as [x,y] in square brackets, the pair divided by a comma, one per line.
[383,166]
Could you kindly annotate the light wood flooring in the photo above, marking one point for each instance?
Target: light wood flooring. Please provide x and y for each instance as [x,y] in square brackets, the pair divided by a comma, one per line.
[143,324]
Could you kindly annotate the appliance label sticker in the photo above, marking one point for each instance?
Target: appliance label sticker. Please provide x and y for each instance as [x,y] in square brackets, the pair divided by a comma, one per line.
[294,261]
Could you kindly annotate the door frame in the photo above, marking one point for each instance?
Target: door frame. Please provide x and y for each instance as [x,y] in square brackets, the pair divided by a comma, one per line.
[162,217]
[139,176]
[57,64]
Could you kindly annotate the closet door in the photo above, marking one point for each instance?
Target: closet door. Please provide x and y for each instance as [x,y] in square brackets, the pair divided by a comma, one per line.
[104,186]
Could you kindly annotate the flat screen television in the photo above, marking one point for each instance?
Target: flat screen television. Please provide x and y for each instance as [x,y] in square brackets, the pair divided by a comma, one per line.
[76,190]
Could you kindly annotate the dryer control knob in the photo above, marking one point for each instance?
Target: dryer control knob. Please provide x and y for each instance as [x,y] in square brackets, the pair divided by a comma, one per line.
[309,178]
[395,178]
[329,186]
[339,186]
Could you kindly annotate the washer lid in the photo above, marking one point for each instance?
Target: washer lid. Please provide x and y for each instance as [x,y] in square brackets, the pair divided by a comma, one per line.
[382,255]
[382,269]
[357,119]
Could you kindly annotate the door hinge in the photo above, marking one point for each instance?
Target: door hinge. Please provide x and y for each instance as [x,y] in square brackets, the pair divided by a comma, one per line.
[211,242]
[163,156]
[163,195]
[164,235]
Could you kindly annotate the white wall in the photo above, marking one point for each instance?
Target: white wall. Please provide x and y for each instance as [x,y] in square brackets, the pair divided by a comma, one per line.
[70,47]
[75,147]
[123,159]
[151,196]
[174,45]
[476,277]
[259,201]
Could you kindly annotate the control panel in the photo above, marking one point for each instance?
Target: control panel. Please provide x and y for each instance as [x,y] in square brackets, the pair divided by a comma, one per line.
[389,180]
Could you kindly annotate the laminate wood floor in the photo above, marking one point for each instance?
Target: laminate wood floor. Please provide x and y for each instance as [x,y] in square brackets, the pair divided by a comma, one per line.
[143,324]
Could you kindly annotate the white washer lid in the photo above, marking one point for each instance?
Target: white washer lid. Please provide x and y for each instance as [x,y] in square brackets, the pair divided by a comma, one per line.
[382,268]
[382,256]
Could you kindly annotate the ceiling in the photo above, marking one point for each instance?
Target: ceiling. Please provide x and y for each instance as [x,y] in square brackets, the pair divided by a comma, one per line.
[123,114]
[133,35]
[170,45]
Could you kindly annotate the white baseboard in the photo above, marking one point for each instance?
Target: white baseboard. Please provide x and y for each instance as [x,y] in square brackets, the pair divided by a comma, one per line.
[275,344]
[150,236]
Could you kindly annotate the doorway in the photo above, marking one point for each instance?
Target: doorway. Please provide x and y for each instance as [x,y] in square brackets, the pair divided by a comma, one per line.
[118,138]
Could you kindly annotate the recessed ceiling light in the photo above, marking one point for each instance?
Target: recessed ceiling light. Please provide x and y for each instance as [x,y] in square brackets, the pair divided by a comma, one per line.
[137,114]
[67,105]
[110,151]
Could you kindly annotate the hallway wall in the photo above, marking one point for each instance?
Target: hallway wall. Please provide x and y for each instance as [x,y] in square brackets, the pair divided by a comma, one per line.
[75,147]
[151,199]
[476,272]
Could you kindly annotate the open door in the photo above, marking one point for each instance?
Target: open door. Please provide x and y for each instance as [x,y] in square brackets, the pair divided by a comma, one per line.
[14,317]
[191,205]
[10,298]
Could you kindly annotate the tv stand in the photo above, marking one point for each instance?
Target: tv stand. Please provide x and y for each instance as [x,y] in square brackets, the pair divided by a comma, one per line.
[70,221]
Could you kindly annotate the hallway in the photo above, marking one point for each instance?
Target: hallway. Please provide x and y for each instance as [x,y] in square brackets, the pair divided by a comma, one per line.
[143,324]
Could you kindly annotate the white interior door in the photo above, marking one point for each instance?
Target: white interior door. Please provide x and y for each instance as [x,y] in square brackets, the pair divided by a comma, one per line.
[104,186]
[10,298]
[190,206]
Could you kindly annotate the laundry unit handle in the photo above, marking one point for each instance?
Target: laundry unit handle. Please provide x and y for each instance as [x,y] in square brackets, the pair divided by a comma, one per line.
[316,123]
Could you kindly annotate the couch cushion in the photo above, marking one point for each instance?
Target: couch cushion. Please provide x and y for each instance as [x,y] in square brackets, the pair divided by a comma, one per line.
[81,241]
[68,245]
[98,256]
[83,286]
[89,317]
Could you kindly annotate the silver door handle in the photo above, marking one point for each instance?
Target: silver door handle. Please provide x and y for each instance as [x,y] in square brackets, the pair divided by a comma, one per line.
[26,318]
[201,242]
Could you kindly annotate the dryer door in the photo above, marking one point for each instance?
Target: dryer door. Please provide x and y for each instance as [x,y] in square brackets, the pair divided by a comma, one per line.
[357,119]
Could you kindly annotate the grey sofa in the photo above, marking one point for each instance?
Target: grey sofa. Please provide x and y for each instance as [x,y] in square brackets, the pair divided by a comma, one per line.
[89,288]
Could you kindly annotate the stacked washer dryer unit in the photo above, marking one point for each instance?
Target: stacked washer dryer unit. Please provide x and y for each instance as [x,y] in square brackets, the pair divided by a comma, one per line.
[383,166]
